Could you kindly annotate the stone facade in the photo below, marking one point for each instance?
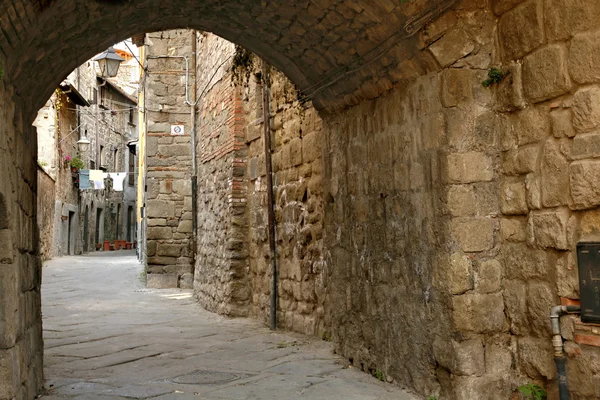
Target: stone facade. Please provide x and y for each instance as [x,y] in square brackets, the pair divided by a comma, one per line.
[168,169]
[100,110]
[451,211]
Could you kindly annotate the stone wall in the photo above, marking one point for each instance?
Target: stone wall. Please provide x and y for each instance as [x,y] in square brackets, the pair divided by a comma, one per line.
[21,344]
[168,206]
[221,279]
[297,185]
[45,213]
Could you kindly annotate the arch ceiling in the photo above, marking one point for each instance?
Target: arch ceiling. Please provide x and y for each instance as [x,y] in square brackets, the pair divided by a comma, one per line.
[338,52]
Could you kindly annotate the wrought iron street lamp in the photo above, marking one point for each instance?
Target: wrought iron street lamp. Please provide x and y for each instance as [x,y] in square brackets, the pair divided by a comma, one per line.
[109,62]
[83,144]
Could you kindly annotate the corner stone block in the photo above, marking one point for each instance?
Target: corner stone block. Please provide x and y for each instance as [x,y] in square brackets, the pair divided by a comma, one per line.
[461,200]
[516,41]
[545,73]
[160,209]
[453,46]
[460,278]
[549,229]
[513,197]
[469,358]
[520,161]
[586,109]
[585,184]
[6,246]
[162,281]
[457,86]
[473,234]
[535,355]
[480,313]
[9,305]
[555,176]
[562,123]
[489,276]
[513,229]
[469,167]
[532,125]
[584,57]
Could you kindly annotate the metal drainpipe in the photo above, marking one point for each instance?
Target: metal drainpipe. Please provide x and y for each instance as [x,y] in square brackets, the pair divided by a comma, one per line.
[193,139]
[557,342]
[270,205]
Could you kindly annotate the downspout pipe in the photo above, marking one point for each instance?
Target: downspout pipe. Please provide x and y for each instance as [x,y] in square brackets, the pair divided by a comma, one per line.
[270,202]
[559,355]
[192,104]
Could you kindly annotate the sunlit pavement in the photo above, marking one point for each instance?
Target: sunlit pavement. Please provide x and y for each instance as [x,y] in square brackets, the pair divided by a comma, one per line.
[107,337]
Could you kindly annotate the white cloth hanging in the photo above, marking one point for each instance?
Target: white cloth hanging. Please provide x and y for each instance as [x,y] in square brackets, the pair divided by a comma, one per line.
[118,178]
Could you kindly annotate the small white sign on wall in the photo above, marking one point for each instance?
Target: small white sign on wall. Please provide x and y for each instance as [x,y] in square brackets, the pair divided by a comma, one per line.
[177,130]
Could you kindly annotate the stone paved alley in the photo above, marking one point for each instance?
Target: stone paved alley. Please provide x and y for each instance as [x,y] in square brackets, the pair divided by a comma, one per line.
[106,337]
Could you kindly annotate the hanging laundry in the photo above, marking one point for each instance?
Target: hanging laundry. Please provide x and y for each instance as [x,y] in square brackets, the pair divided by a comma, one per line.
[118,178]
[99,184]
[96,175]
[84,179]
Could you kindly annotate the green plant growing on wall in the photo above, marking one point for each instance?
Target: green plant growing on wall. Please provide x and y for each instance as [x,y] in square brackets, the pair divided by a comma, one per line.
[432,398]
[379,375]
[495,75]
[532,392]
[77,163]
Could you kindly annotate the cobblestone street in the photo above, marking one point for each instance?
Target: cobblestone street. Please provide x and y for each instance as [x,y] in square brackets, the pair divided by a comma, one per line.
[106,337]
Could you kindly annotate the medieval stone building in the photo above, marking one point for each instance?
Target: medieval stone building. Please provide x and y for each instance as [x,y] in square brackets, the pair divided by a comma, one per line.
[428,208]
[76,219]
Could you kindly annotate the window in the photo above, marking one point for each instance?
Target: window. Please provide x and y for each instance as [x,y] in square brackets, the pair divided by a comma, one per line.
[92,164]
[101,157]
[131,170]
[116,161]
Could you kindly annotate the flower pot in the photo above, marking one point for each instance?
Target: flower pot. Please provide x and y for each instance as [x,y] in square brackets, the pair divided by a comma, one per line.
[98,246]
[106,245]
[128,245]
[117,244]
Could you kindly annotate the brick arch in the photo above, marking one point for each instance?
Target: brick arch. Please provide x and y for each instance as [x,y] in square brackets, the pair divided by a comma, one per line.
[357,49]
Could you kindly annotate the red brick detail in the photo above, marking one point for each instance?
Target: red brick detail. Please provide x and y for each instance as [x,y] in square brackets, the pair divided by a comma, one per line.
[590,340]
[569,302]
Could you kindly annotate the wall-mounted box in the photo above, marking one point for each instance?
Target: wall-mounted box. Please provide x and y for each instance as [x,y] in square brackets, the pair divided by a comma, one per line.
[588,261]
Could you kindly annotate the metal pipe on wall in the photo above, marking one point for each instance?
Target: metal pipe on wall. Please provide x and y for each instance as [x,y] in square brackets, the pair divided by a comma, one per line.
[559,356]
[270,202]
[193,140]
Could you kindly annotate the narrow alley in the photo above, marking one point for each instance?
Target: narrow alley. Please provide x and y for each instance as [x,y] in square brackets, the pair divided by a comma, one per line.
[107,337]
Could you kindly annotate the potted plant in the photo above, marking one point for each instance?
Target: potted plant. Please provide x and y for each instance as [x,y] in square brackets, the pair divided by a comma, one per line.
[67,161]
[76,164]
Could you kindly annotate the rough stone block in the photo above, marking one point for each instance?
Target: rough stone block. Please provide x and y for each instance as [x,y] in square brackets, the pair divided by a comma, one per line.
[473,234]
[10,373]
[513,197]
[457,86]
[515,301]
[461,200]
[169,250]
[534,191]
[469,167]
[158,233]
[586,146]
[545,73]
[479,313]
[9,305]
[493,386]
[586,109]
[489,276]
[186,281]
[563,18]
[535,355]
[584,57]
[160,209]
[182,187]
[555,176]
[513,229]
[435,29]
[585,184]
[562,123]
[498,359]
[453,46]
[296,152]
[460,278]
[516,41]
[522,262]
[508,93]
[540,298]
[502,6]
[520,161]
[185,227]
[469,358]
[6,246]
[162,281]
[311,147]
[532,125]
